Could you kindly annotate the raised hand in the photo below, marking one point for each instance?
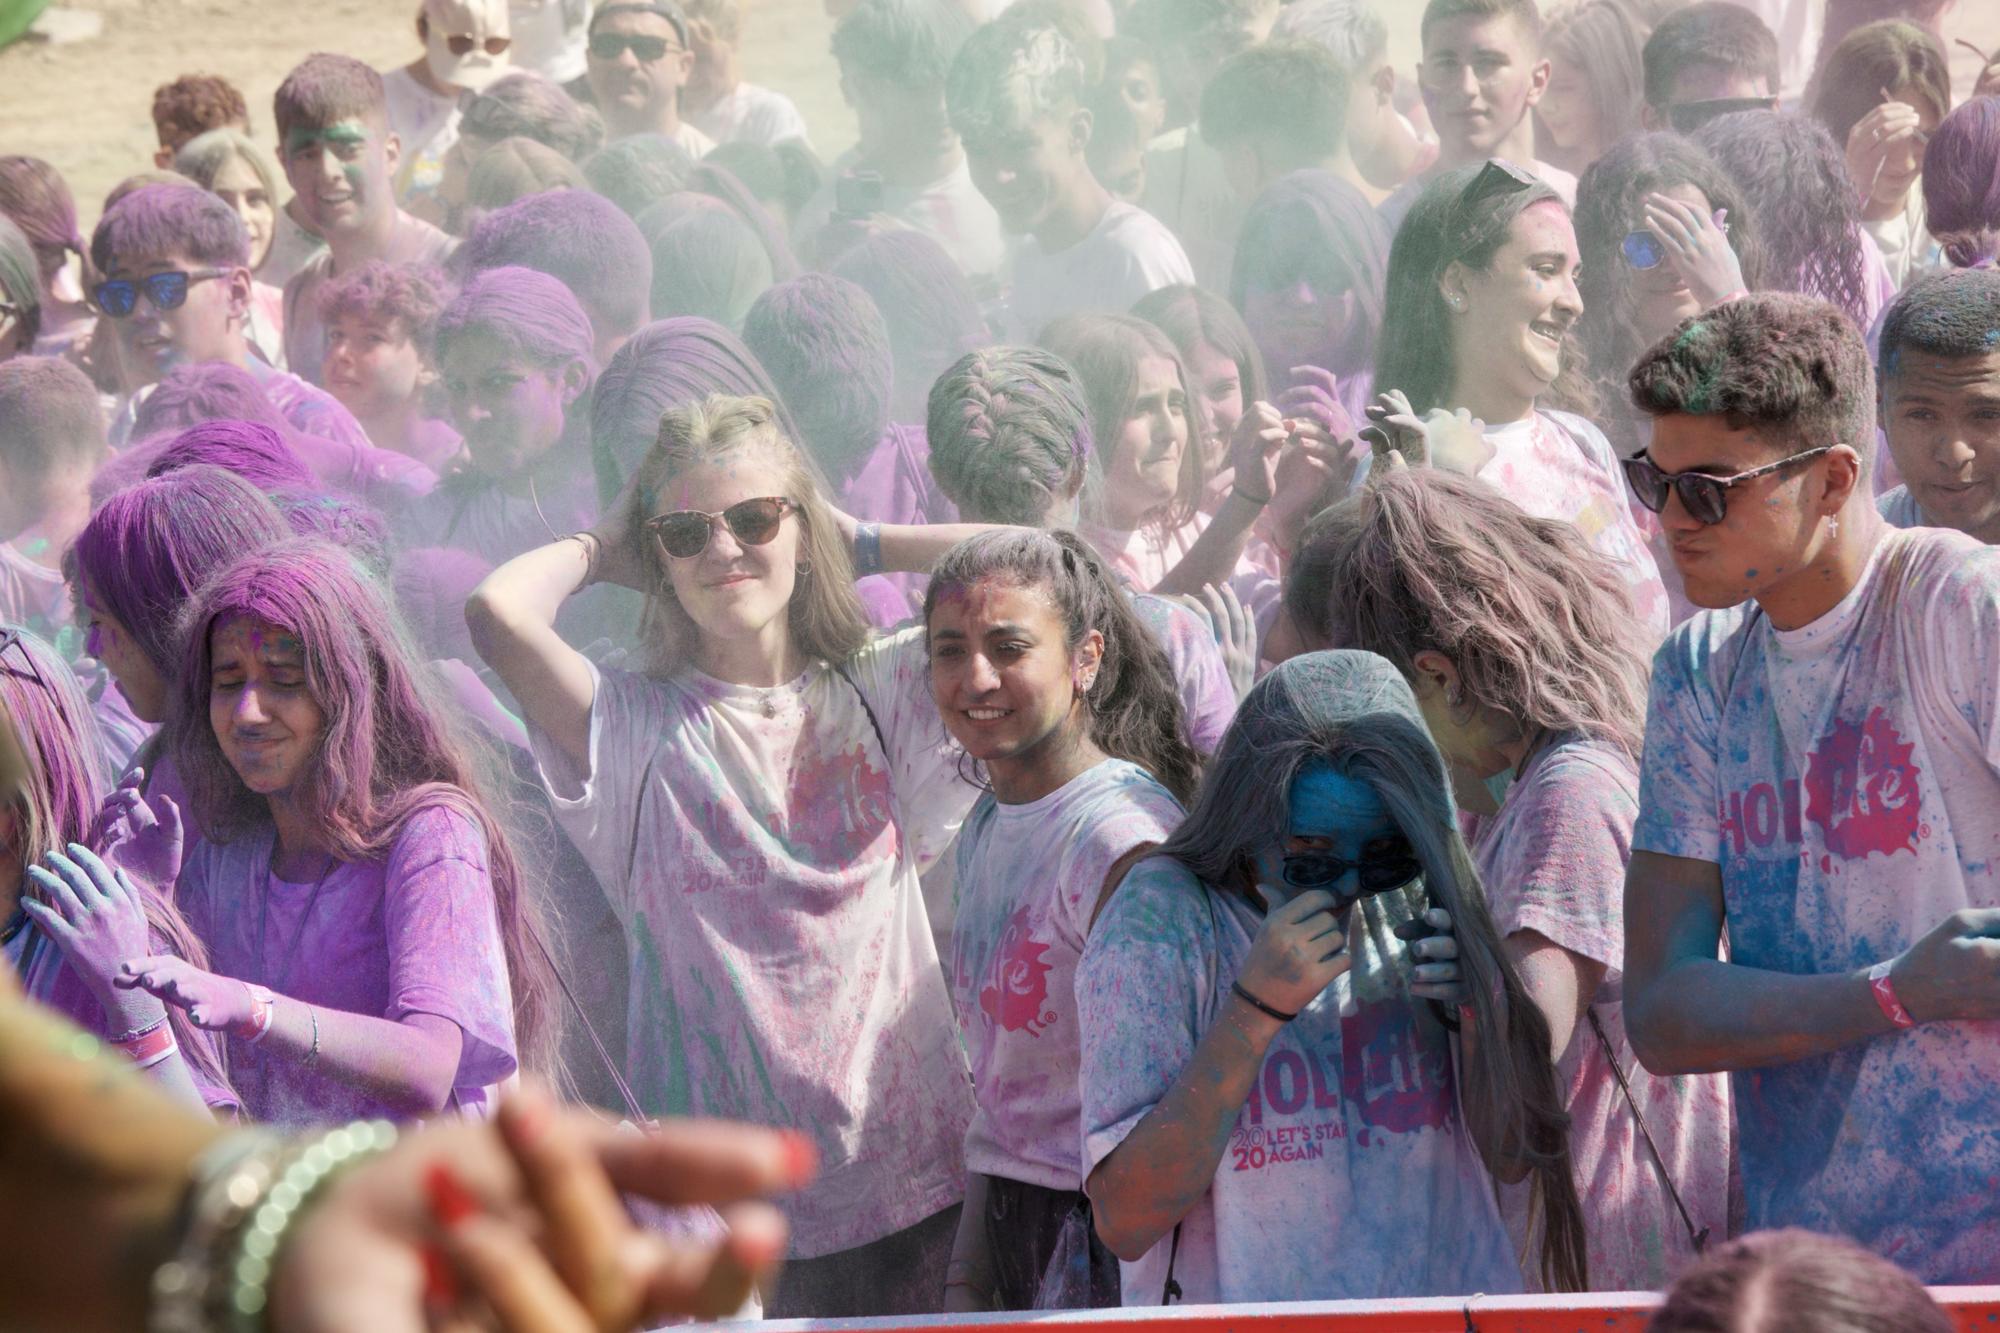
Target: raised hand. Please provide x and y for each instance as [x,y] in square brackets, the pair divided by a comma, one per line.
[1254,450]
[141,837]
[1697,246]
[96,916]
[1890,129]
[1451,441]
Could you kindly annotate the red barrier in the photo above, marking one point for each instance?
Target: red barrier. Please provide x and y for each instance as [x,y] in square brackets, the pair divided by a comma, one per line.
[1974,1308]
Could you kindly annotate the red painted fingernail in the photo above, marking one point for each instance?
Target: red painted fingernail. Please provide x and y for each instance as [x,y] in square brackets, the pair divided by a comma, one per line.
[451,1202]
[440,1283]
[801,1159]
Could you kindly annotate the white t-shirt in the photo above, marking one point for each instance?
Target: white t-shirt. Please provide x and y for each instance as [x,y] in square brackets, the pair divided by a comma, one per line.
[1845,779]
[1127,254]
[752,114]
[1348,1174]
[762,852]
[950,210]
[1028,880]
[1559,466]
[426,124]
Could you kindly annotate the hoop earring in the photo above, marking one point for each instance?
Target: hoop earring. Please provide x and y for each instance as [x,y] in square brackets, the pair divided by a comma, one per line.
[805,568]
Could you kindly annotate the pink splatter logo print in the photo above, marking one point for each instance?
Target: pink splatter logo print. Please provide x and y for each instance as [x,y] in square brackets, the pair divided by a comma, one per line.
[1016,997]
[1862,791]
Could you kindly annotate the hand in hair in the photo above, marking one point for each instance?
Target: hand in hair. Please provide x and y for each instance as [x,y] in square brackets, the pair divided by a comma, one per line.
[1446,440]
[97,917]
[1697,247]
[135,836]
[619,558]
[1299,951]
[1887,129]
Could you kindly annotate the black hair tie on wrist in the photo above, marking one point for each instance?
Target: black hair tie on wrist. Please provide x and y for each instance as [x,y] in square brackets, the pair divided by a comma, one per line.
[1236,989]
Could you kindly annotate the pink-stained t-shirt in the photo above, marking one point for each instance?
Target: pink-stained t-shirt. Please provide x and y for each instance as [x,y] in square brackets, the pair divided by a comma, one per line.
[47,977]
[1556,465]
[1844,779]
[1208,697]
[1349,1173]
[761,847]
[1553,862]
[415,932]
[1029,877]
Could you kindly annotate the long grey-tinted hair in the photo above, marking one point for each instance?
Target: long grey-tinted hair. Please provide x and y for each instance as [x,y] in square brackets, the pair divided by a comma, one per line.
[1355,711]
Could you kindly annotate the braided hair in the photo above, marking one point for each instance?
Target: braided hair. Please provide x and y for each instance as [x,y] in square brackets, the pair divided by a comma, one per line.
[1010,436]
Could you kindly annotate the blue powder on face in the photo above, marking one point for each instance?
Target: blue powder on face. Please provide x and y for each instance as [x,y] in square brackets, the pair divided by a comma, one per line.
[1992,337]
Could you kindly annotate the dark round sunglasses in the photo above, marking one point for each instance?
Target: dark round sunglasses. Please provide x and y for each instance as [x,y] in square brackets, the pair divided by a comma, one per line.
[1642,250]
[611,45]
[685,533]
[119,297]
[1705,498]
[1382,867]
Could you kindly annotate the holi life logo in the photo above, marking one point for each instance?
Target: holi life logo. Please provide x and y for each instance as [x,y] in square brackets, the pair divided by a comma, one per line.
[1862,789]
[1017,995]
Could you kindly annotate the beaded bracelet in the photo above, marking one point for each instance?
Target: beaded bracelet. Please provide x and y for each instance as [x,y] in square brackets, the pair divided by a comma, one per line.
[227,1180]
[257,1247]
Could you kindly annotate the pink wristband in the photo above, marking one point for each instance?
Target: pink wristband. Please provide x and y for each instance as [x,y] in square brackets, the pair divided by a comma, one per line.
[262,1005]
[1885,996]
[149,1048]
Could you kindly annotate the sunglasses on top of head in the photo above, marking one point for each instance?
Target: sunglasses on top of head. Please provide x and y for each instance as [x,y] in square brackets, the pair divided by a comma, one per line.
[685,533]
[1706,498]
[119,297]
[611,45]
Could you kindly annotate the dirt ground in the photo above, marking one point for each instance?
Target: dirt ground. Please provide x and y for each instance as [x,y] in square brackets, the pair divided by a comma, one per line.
[86,106]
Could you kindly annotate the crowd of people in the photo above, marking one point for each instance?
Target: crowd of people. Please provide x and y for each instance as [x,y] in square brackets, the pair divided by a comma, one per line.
[1211,673]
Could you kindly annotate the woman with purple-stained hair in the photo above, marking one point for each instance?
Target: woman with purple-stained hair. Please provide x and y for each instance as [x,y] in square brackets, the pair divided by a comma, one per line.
[1961,189]
[514,354]
[759,806]
[70,921]
[1312,261]
[926,301]
[144,552]
[375,947]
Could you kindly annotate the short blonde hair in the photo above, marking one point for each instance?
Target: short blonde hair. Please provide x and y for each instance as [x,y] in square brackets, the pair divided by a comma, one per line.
[826,619]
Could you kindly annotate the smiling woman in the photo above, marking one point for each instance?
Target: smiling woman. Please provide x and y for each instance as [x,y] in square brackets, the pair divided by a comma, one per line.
[1483,277]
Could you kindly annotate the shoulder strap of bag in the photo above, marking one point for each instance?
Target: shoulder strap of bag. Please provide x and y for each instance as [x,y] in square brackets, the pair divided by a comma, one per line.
[1699,1239]
[1172,1292]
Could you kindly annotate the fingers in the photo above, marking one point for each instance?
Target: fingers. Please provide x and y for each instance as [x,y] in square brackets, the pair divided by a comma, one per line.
[51,921]
[584,1221]
[713,1283]
[157,974]
[1306,905]
[705,1161]
[102,877]
[503,1267]
[58,891]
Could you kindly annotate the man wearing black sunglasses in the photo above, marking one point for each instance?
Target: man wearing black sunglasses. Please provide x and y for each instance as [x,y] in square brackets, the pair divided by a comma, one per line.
[638,61]
[1821,782]
[1708,60]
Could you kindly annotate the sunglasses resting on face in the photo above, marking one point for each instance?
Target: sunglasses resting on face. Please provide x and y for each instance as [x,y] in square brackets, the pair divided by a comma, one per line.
[119,297]
[461,44]
[611,45]
[1705,497]
[1385,865]
[1642,250]
[685,533]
